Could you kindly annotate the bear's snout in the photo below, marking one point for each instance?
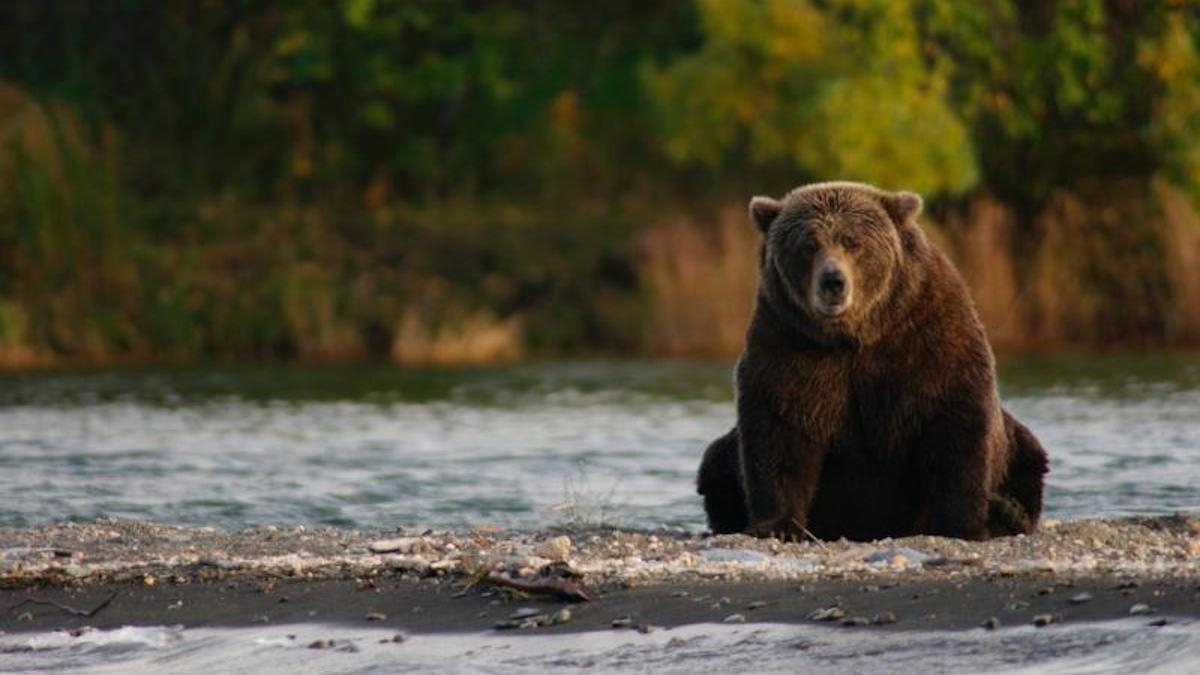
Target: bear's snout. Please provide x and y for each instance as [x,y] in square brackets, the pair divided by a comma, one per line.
[831,289]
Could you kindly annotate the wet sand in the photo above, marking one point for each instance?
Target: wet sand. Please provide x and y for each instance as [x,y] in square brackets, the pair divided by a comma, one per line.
[60,577]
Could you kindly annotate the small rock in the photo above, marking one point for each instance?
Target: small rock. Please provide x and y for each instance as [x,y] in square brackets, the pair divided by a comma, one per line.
[833,613]
[735,618]
[757,604]
[1080,598]
[524,612]
[1017,606]
[401,545]
[1161,621]
[561,616]
[376,616]
[1042,620]
[897,557]
[409,563]
[261,618]
[25,616]
[399,637]
[646,628]
[856,621]
[623,622]
[558,548]
[992,623]
[883,618]
[77,571]
[676,642]
[735,555]
[535,621]
[322,644]
[1140,609]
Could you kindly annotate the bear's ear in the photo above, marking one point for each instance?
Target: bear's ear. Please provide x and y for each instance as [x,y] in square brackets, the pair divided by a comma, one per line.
[902,206]
[763,211]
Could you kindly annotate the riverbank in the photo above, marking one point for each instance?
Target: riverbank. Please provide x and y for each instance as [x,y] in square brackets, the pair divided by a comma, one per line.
[113,573]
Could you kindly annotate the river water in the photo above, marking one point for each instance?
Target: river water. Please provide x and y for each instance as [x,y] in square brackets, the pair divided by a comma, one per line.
[532,446]
[525,446]
[1115,647]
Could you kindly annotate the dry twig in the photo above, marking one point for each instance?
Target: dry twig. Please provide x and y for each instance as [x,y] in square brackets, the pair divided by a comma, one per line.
[87,614]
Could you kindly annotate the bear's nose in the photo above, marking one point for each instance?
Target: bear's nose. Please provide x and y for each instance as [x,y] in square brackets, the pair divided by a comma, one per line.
[833,282]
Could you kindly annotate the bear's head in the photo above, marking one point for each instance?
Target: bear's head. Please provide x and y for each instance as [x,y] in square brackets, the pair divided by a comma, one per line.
[839,259]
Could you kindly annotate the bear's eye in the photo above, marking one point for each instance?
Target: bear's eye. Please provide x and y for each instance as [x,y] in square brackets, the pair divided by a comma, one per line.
[851,245]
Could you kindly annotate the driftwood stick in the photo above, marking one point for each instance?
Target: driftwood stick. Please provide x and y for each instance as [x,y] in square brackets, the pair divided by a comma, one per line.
[87,614]
[810,535]
[559,588]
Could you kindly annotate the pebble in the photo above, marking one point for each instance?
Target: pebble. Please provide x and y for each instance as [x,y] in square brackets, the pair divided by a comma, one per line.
[623,622]
[534,621]
[733,555]
[1162,621]
[401,545]
[897,557]
[992,623]
[1140,609]
[884,618]
[322,644]
[834,613]
[524,612]
[558,548]
[561,616]
[77,571]
[376,616]
[1045,619]
[409,563]
[856,621]
[735,618]
[647,628]
[1080,598]
[757,604]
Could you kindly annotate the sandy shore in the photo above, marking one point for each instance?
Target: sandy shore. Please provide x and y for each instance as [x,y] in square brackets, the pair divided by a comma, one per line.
[111,573]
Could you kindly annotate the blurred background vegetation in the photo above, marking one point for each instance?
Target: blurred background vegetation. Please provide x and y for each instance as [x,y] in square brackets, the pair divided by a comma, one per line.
[437,181]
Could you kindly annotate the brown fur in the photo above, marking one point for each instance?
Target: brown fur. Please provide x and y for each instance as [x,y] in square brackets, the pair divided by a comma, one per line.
[882,420]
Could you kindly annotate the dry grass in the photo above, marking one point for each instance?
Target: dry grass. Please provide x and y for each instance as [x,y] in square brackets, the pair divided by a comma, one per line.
[1182,236]
[1118,266]
[474,339]
[981,244]
[701,279]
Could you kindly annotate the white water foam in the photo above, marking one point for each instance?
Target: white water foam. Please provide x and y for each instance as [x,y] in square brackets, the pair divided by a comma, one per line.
[1123,646]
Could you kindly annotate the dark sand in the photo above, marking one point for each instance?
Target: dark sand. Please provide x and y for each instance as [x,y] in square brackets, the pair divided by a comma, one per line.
[156,575]
[418,607]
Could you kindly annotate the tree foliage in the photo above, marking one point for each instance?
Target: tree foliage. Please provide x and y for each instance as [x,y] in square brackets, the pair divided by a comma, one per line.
[462,156]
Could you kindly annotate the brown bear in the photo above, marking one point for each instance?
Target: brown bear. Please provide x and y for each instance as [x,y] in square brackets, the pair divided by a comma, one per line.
[866,392]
